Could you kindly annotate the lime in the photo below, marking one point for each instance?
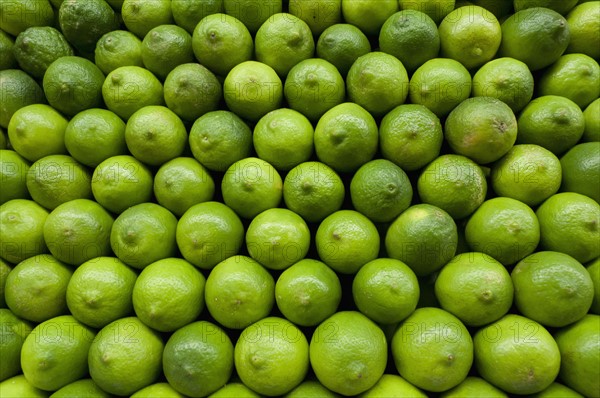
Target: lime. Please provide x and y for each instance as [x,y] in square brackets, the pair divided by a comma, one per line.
[140,16]
[592,122]
[13,174]
[348,353]
[528,173]
[594,271]
[165,47]
[367,18]
[120,182]
[191,91]
[18,90]
[37,47]
[393,386]
[473,387]
[36,288]
[251,186]
[318,14]
[517,355]
[130,88]
[475,288]
[432,350]
[252,89]
[271,356]
[220,138]
[308,292]
[569,224]
[440,84]
[168,294]
[562,7]
[18,387]
[552,288]
[346,137]
[282,41]
[21,230]
[411,36]
[186,364]
[20,15]
[55,353]
[181,183]
[581,169]
[221,42]
[314,86]
[208,233]
[311,388]
[341,45]
[313,190]
[252,13]
[5,269]
[277,238]
[380,190]
[118,48]
[234,389]
[411,136]
[95,135]
[435,9]
[537,36]
[557,390]
[579,349]
[99,291]
[424,237]
[187,13]
[506,79]
[284,138]
[7,58]
[81,388]
[14,332]
[125,356]
[453,183]
[346,240]
[157,390]
[584,29]
[36,131]
[239,291]
[84,23]
[143,234]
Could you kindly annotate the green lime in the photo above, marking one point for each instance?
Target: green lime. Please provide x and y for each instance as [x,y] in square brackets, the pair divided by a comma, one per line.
[308,292]
[594,271]
[435,9]
[584,29]
[475,288]
[186,364]
[537,36]
[157,390]
[166,47]
[380,190]
[592,122]
[221,42]
[81,388]
[118,48]
[284,138]
[140,16]
[506,79]
[569,224]
[20,15]
[130,88]
[393,386]
[366,17]
[529,173]
[271,356]
[346,240]
[125,356]
[251,186]
[346,137]
[348,353]
[5,269]
[341,45]
[36,288]
[277,238]
[36,131]
[318,14]
[562,7]
[37,47]
[424,237]
[440,84]
[208,233]
[579,350]
[84,22]
[95,135]
[517,355]
[432,350]
[313,190]
[187,13]
[18,90]
[311,388]
[557,390]
[552,288]
[581,170]
[13,174]
[220,138]
[14,331]
[234,389]
[7,58]
[120,182]
[191,91]
[252,89]
[60,356]
[99,292]
[313,86]
[18,386]
[169,294]
[239,291]
[411,136]
[473,387]
[21,230]
[181,183]
[252,13]
[411,36]
[453,183]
